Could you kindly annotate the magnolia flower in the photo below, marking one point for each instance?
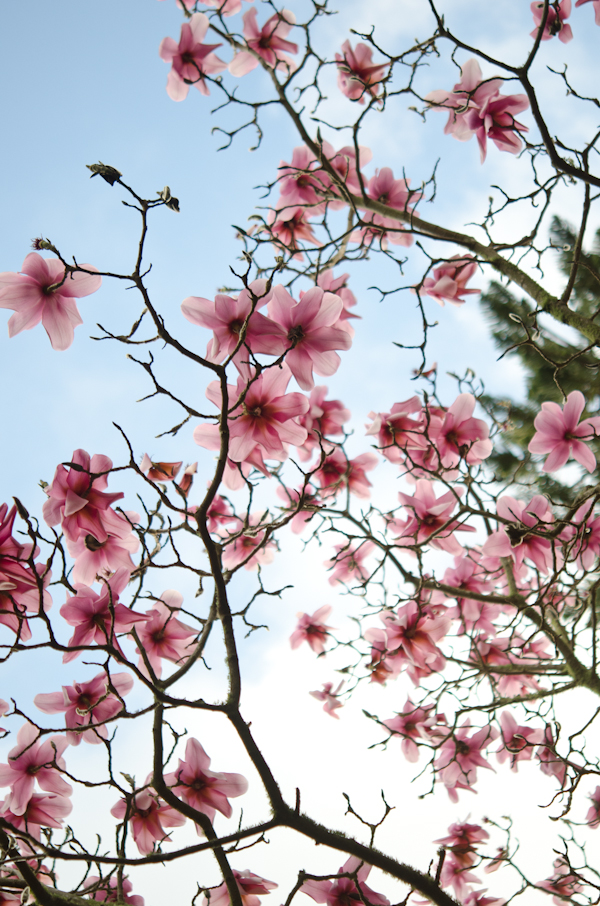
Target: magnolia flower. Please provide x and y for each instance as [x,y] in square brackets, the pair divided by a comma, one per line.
[87,705]
[42,292]
[268,42]
[449,281]
[33,760]
[555,20]
[249,885]
[312,629]
[148,816]
[203,789]
[357,75]
[559,433]
[330,697]
[191,60]
[342,891]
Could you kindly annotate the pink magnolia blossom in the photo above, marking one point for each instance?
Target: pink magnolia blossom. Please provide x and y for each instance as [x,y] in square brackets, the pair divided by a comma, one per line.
[109,893]
[551,763]
[148,816]
[396,194]
[99,617]
[596,8]
[288,226]
[461,842]
[348,562]
[303,182]
[457,876]
[102,558]
[563,883]
[187,479]
[431,519]
[555,20]
[226,317]
[47,810]
[339,286]
[163,635]
[477,108]
[460,755]
[559,433]
[593,816]
[19,592]
[191,60]
[203,789]
[468,575]
[87,705]
[478,898]
[329,695]
[219,513]
[413,725]
[515,540]
[344,162]
[250,886]
[324,418]
[77,499]
[336,472]
[41,292]
[396,431]
[33,760]
[409,640]
[517,742]
[269,43]
[449,281]
[460,435]
[312,629]
[311,331]
[248,546]
[582,536]
[267,418]
[341,891]
[357,75]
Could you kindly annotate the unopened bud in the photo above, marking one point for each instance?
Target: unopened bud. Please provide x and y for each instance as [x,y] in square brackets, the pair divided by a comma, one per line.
[40,244]
[170,201]
[110,174]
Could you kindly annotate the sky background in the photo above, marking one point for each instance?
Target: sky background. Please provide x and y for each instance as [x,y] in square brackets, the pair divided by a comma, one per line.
[82,83]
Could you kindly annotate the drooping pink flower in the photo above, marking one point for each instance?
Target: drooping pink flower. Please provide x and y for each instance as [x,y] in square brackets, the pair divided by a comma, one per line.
[460,755]
[77,499]
[226,317]
[305,502]
[457,877]
[517,540]
[555,20]
[191,60]
[596,8]
[98,618]
[330,696]
[163,635]
[357,75]
[267,418]
[33,760]
[344,162]
[563,883]
[430,520]
[87,705]
[41,292]
[311,331]
[468,575]
[396,194]
[303,181]
[460,435]
[582,536]
[461,841]
[269,42]
[347,563]
[219,513]
[108,893]
[148,816]
[250,886]
[203,789]
[312,629]
[47,810]
[559,433]
[517,741]
[449,281]
[413,725]
[247,546]
[477,108]
[341,891]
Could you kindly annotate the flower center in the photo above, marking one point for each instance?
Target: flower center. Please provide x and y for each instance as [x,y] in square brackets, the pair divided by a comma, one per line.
[92,543]
[295,335]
